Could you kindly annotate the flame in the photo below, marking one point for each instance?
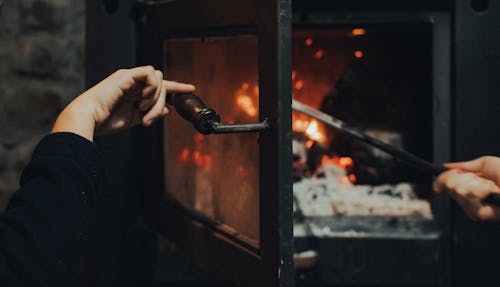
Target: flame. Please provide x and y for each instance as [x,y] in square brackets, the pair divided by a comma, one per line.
[294,74]
[242,172]
[184,156]
[256,90]
[319,54]
[309,144]
[299,85]
[346,162]
[300,125]
[313,131]
[358,32]
[352,178]
[196,158]
[342,162]
[308,42]
[246,104]
[358,54]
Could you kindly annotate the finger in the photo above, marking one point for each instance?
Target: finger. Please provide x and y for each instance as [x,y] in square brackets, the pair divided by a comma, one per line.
[472,165]
[144,74]
[445,181]
[148,78]
[176,87]
[157,111]
[488,212]
[165,111]
[146,104]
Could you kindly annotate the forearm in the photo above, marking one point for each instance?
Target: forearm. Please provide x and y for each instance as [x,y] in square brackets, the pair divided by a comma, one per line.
[48,219]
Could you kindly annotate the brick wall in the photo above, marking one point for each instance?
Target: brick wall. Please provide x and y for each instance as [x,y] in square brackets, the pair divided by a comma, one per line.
[41,70]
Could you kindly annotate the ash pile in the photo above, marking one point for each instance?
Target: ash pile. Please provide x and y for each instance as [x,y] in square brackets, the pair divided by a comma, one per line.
[329,200]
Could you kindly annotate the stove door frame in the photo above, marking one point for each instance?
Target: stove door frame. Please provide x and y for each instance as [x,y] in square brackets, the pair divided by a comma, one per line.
[271,264]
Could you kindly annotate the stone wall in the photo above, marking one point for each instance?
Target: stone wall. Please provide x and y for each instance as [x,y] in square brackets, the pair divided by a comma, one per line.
[41,70]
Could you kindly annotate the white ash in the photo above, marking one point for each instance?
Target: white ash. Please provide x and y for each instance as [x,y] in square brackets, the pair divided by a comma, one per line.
[328,196]
[299,149]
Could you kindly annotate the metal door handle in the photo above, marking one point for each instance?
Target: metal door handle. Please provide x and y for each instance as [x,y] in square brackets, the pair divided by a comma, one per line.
[206,120]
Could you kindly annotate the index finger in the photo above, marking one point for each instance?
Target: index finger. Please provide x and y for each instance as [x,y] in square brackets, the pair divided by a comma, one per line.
[471,165]
[178,87]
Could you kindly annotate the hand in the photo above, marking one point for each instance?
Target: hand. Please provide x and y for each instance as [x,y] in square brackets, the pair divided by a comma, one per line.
[126,98]
[469,183]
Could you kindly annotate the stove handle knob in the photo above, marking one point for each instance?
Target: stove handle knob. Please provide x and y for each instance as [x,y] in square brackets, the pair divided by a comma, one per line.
[206,120]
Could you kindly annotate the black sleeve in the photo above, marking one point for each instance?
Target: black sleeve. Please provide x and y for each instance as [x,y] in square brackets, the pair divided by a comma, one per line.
[48,219]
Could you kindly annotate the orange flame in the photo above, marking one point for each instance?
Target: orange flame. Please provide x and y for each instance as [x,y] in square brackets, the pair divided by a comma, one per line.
[352,178]
[246,104]
[342,162]
[299,85]
[358,32]
[300,125]
[184,156]
[195,158]
[319,54]
[308,42]
[358,54]
[313,131]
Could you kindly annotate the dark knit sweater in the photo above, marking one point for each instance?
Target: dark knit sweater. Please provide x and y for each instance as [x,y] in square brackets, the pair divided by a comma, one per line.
[48,219]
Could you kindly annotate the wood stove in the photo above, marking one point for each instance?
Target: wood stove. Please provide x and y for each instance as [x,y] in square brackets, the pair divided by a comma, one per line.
[245,203]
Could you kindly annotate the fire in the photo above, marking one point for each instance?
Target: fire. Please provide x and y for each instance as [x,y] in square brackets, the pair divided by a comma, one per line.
[184,156]
[308,42]
[352,177]
[342,162]
[319,54]
[309,144]
[358,54]
[313,131]
[242,172]
[299,85]
[346,162]
[195,158]
[246,104]
[358,32]
[300,125]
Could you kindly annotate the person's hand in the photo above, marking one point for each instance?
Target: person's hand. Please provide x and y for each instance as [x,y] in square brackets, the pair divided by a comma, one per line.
[469,183]
[126,98]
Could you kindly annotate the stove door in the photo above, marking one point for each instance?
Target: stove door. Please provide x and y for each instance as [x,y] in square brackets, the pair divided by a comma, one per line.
[226,198]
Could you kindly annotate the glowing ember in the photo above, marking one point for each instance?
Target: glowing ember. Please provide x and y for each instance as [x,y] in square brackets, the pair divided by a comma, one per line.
[246,104]
[256,90]
[245,86]
[308,42]
[299,85]
[313,131]
[294,74]
[309,144]
[319,54]
[300,125]
[346,162]
[358,54]
[342,162]
[358,32]
[352,178]
[184,156]
[242,171]
[195,158]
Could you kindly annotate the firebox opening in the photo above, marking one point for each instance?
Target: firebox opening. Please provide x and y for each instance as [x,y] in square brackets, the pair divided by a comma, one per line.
[377,78]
